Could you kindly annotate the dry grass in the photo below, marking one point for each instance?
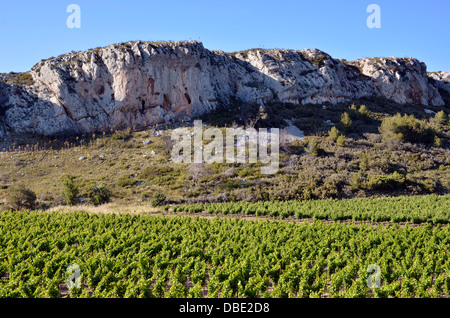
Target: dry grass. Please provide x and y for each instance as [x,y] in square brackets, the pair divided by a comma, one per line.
[134,171]
[109,208]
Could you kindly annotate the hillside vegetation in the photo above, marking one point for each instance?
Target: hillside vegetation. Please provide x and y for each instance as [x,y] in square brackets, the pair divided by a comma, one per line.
[363,153]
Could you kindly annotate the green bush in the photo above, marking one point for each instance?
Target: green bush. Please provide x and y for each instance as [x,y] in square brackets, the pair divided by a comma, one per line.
[333,134]
[121,134]
[357,180]
[441,118]
[437,141]
[100,195]
[363,113]
[386,182]
[406,129]
[346,121]
[341,141]
[158,199]
[19,198]
[70,190]
[125,181]
[26,79]
[314,148]
[363,110]
[154,171]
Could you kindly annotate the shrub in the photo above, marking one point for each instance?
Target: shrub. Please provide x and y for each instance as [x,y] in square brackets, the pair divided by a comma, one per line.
[346,121]
[430,185]
[389,182]
[363,113]
[318,60]
[70,190]
[158,199]
[333,134]
[314,148]
[357,180]
[406,129]
[99,195]
[437,141]
[341,141]
[441,118]
[295,147]
[121,134]
[19,198]
[26,79]
[363,110]
[125,181]
[364,161]
[154,171]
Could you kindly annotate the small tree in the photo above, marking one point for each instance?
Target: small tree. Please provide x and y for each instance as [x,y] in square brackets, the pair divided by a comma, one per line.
[364,164]
[333,134]
[341,141]
[100,195]
[437,141]
[406,128]
[19,198]
[441,118]
[314,148]
[70,190]
[346,121]
[364,113]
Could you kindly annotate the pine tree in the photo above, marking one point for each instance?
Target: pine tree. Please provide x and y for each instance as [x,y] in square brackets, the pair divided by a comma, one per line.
[70,190]
[346,121]
[441,118]
[341,141]
[333,134]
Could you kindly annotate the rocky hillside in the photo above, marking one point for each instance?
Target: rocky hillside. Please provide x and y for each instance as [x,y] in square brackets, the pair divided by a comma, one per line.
[142,83]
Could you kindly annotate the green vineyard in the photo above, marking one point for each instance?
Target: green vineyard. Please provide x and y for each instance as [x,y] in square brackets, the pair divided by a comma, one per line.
[170,256]
[419,209]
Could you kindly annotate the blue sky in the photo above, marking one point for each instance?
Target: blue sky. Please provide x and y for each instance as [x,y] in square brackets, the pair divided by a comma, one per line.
[33,30]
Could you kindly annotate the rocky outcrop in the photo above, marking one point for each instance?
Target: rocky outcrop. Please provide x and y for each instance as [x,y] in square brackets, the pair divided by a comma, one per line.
[142,83]
[402,80]
[442,81]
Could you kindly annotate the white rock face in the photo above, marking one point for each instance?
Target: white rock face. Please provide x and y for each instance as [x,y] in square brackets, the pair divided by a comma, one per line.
[403,80]
[442,81]
[291,133]
[144,83]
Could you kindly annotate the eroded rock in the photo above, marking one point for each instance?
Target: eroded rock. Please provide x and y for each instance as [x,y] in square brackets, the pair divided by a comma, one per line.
[137,84]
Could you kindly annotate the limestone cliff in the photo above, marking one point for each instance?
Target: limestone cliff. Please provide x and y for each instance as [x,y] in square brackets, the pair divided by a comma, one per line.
[142,83]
